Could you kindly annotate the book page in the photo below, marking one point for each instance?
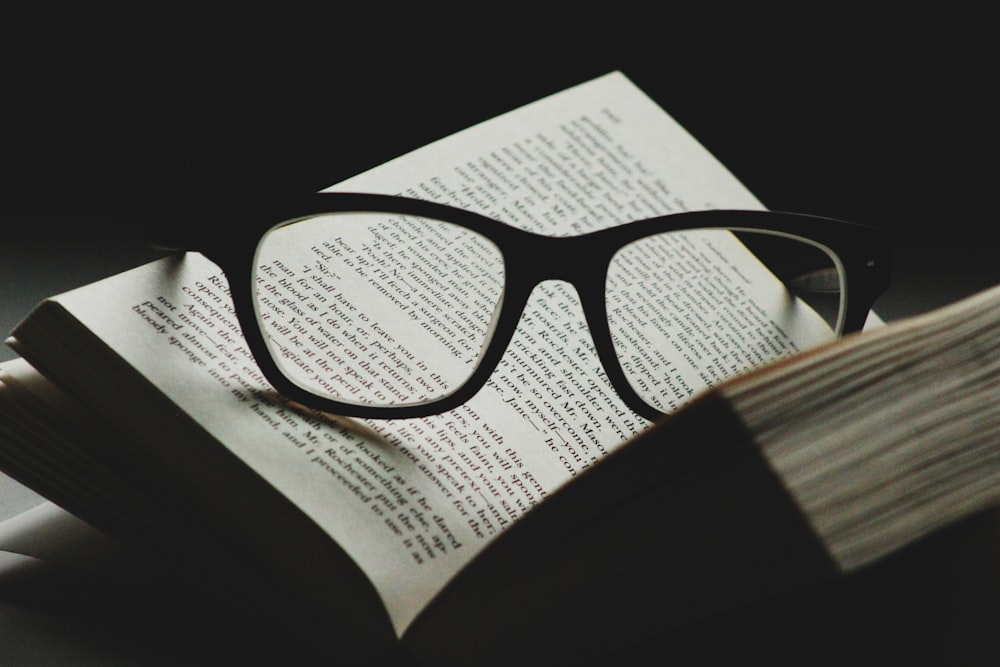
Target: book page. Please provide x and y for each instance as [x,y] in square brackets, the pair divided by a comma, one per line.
[413,500]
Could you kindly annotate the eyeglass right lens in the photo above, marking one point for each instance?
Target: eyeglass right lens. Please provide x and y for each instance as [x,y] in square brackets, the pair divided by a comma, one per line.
[377,308]
[692,308]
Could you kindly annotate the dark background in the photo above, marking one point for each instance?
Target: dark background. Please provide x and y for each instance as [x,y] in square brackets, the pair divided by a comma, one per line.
[887,122]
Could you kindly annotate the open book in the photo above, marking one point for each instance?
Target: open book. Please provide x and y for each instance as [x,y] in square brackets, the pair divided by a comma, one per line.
[142,413]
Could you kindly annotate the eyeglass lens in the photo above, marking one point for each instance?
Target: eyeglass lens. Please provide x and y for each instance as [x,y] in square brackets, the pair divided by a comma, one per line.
[684,313]
[375,308]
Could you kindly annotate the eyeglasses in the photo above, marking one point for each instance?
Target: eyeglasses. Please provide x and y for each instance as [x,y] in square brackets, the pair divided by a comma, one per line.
[379,306]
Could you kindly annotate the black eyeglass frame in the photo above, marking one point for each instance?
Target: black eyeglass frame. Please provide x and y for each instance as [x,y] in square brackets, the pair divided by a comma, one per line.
[580,260]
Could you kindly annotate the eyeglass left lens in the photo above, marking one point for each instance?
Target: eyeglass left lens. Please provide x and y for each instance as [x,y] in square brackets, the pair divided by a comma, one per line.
[377,308]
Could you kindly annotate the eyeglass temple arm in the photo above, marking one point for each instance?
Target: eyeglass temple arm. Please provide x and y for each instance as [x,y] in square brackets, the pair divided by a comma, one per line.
[173,232]
[193,230]
[869,275]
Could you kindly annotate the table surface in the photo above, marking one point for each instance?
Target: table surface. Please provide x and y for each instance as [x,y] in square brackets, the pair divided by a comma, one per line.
[922,171]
